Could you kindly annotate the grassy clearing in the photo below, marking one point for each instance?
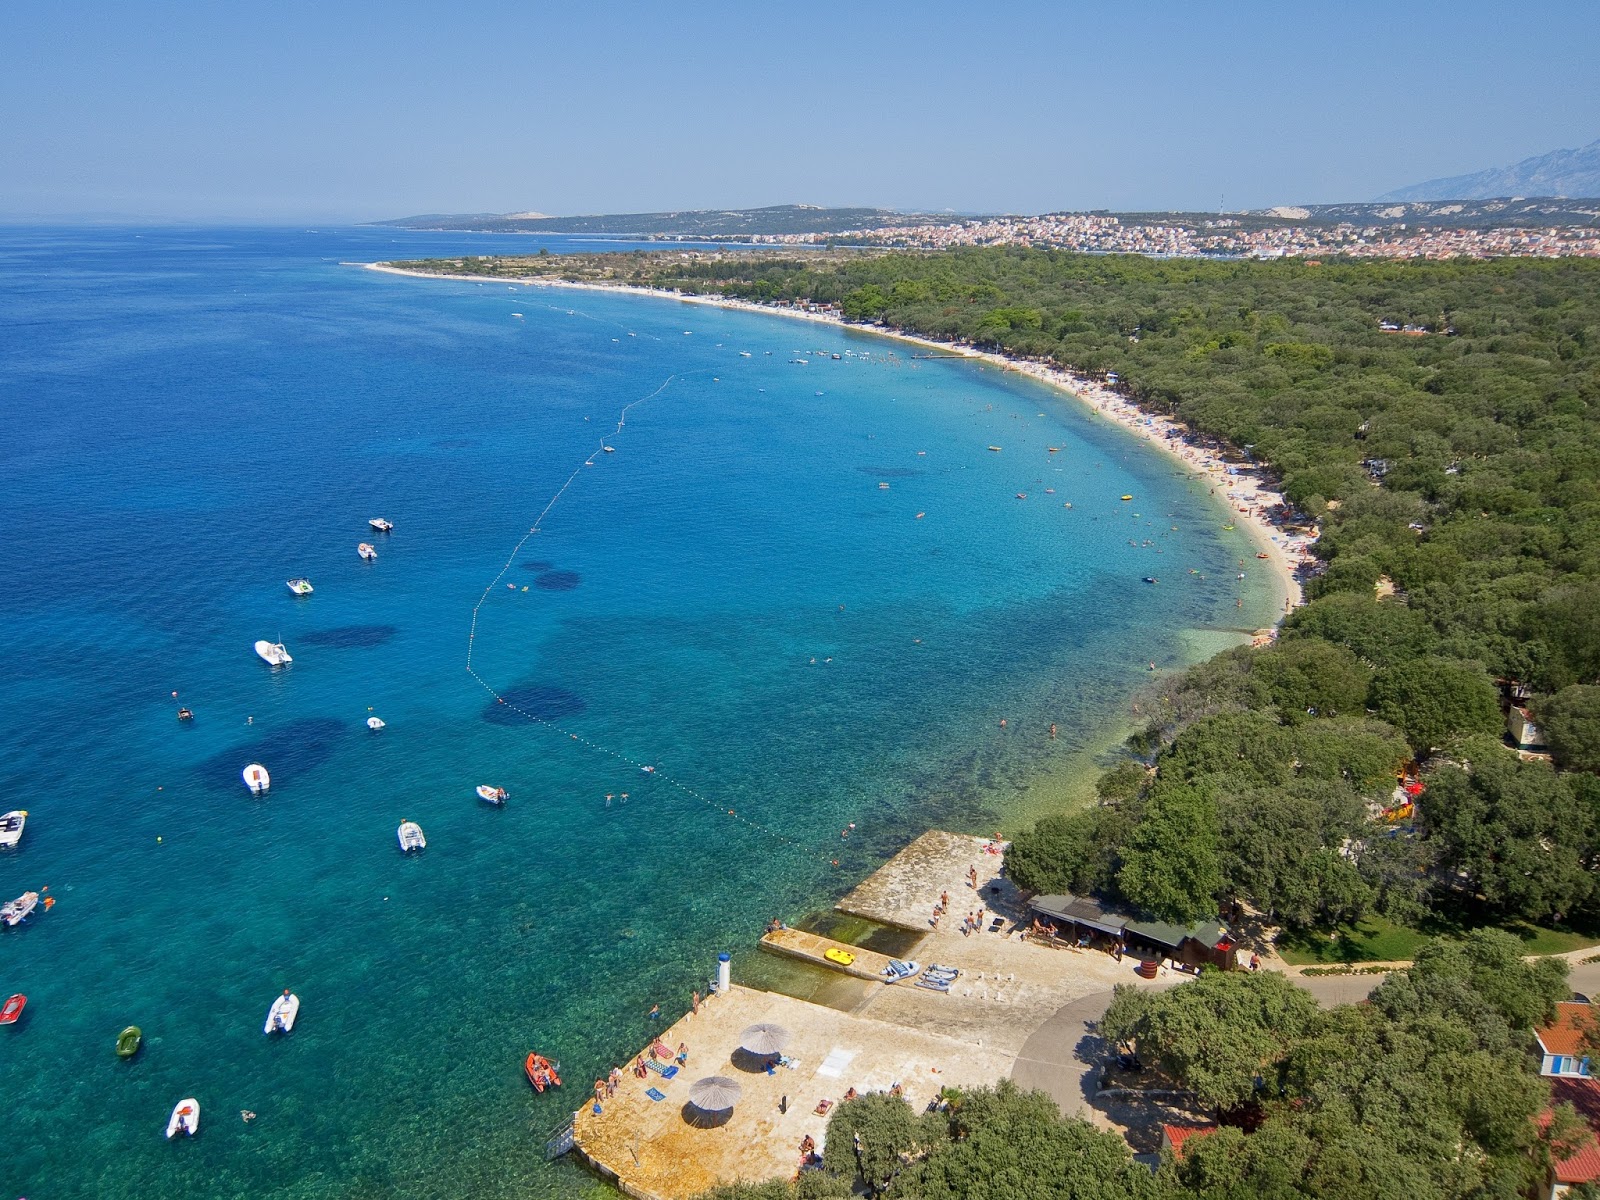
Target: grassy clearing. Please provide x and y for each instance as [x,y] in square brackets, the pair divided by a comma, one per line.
[1375,939]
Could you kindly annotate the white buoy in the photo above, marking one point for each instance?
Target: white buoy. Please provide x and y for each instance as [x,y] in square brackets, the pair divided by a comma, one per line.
[724,972]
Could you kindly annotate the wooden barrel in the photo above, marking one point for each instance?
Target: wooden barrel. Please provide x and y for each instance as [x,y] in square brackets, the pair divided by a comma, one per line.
[1148,967]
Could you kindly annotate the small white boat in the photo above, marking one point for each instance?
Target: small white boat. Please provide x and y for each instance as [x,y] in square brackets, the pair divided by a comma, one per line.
[11,826]
[256,778]
[300,587]
[367,552]
[14,912]
[280,1017]
[381,525]
[411,837]
[185,1118]
[273,653]
[375,723]
[492,795]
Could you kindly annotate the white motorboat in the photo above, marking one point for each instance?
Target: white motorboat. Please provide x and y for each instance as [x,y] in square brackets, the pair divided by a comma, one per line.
[492,795]
[273,653]
[300,586]
[367,552]
[256,778]
[381,525]
[375,723]
[411,837]
[14,912]
[185,1118]
[11,826]
[280,1017]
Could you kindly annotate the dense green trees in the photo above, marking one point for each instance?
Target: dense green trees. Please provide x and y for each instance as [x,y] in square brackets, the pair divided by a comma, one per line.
[1515,834]
[991,1144]
[1571,720]
[1427,1091]
[1434,699]
[1226,1036]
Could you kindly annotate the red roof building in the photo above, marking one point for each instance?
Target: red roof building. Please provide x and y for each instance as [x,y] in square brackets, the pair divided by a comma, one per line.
[1583,1164]
[1562,1041]
[1174,1136]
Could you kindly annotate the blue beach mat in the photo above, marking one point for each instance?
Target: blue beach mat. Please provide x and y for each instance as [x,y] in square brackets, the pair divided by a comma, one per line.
[656,1095]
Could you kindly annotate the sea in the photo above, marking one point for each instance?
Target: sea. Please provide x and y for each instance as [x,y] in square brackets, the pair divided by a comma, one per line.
[733,605]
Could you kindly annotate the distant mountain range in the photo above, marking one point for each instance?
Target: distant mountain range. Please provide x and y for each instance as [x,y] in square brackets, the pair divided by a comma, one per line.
[1559,173]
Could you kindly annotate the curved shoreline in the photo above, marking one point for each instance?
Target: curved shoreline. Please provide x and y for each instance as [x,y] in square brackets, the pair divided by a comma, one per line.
[1246,497]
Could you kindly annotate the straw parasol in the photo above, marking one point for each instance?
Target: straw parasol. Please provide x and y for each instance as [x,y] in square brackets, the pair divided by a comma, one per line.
[764,1039]
[714,1093]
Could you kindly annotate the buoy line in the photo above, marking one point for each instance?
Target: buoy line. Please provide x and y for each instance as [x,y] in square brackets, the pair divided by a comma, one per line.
[647,768]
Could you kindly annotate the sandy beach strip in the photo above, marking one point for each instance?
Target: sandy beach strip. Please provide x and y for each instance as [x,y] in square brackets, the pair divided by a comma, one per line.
[1246,496]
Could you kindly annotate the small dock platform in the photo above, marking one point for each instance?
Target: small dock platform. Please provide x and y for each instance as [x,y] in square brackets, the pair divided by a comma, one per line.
[812,948]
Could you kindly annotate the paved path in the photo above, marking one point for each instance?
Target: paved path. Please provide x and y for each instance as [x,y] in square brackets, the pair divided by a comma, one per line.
[1053,1058]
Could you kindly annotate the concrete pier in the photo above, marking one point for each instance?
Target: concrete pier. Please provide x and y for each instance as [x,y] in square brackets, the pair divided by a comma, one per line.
[813,948]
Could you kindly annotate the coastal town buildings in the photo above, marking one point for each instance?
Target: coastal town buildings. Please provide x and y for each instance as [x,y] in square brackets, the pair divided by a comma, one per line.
[1219,237]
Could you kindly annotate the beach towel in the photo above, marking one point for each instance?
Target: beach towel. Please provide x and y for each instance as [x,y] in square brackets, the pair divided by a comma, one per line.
[833,1066]
[656,1095]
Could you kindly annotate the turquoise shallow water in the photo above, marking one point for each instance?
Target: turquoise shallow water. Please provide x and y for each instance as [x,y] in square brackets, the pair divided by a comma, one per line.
[192,417]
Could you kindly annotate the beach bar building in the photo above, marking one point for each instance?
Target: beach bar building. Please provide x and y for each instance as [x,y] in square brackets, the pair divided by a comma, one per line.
[1089,924]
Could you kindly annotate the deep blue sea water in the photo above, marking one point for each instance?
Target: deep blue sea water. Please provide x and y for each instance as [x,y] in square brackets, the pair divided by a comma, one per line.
[191,417]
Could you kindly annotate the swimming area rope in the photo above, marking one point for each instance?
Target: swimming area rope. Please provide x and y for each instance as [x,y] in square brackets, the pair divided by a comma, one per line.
[647,768]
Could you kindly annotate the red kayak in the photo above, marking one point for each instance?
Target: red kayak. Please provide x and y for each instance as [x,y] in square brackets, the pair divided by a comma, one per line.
[13,1009]
[541,1072]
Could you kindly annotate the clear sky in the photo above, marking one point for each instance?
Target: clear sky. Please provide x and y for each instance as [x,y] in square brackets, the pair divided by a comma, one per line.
[284,109]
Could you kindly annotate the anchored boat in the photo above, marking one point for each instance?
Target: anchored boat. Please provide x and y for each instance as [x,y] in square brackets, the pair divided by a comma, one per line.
[492,795]
[411,837]
[12,1009]
[541,1072]
[185,1118]
[11,826]
[300,587]
[381,525]
[129,1041]
[14,912]
[273,653]
[256,779]
[375,723]
[280,1017]
[367,552]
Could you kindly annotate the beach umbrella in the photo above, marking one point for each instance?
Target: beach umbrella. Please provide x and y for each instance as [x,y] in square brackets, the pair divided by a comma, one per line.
[714,1093]
[764,1039]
